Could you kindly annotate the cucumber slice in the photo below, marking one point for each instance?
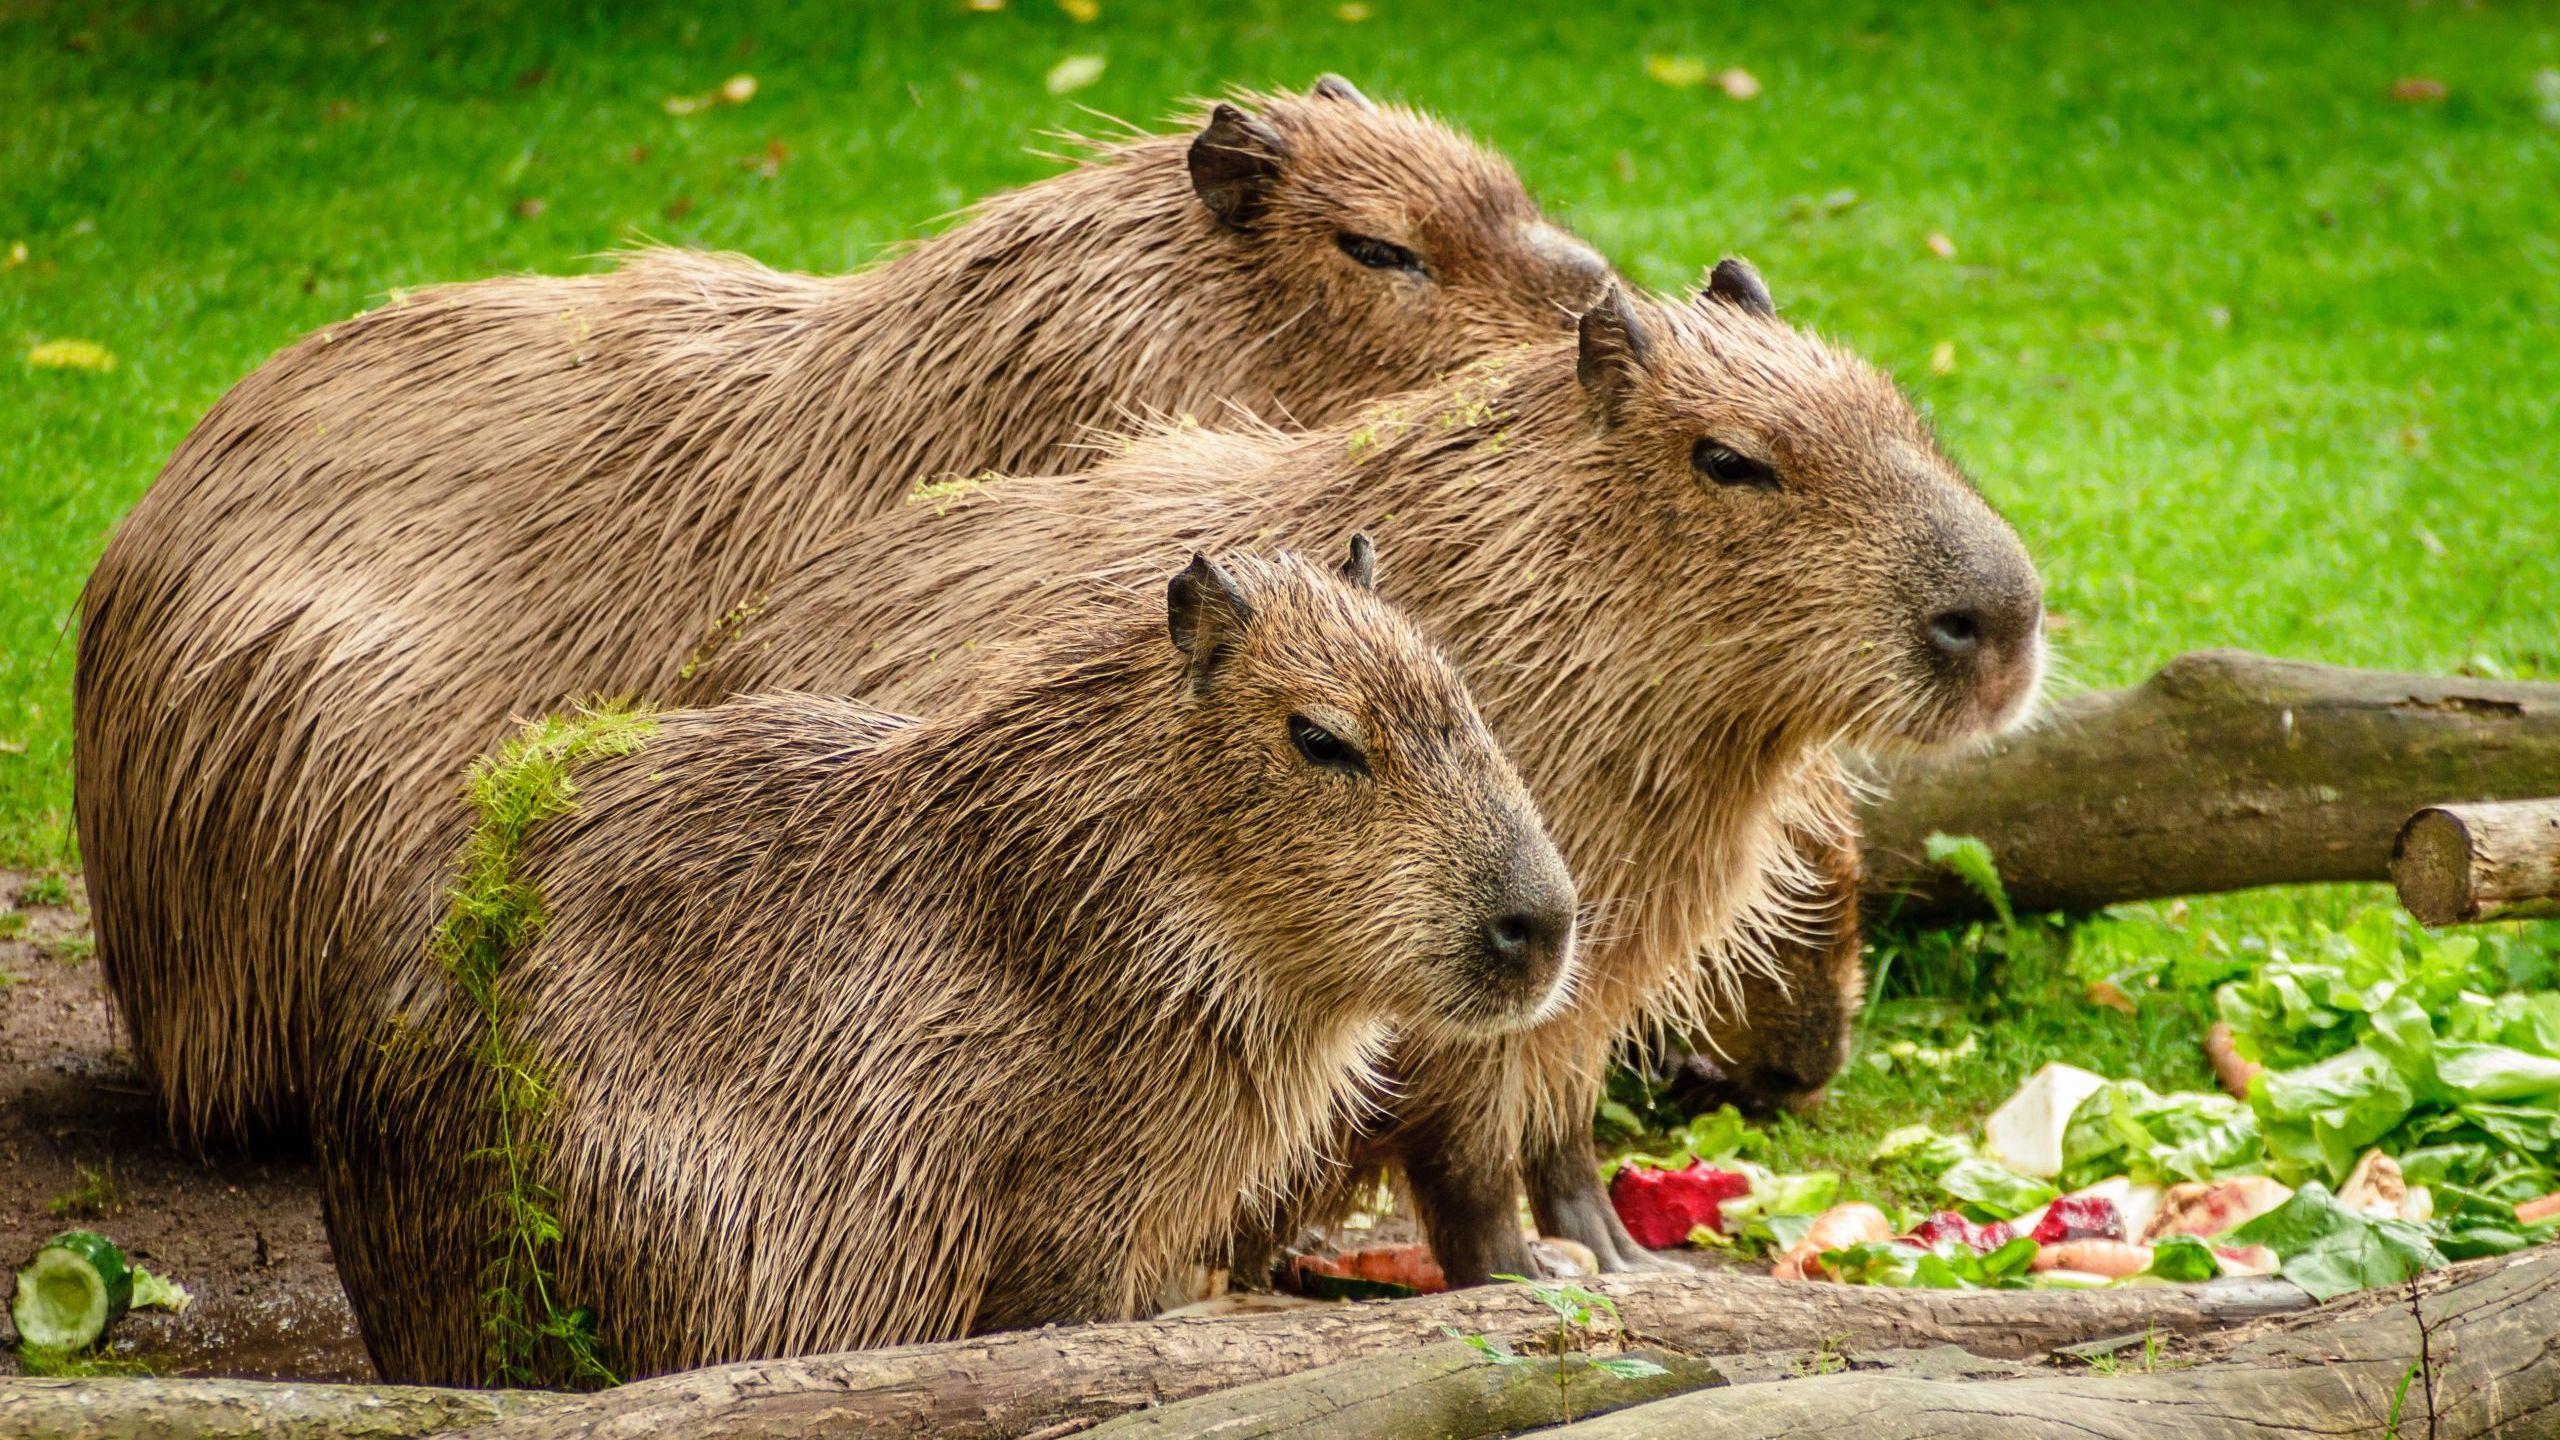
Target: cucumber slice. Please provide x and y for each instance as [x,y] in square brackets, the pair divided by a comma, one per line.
[71,1291]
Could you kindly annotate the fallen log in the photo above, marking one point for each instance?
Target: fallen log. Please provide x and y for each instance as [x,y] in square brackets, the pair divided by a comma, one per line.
[1016,1384]
[2484,1361]
[2223,771]
[2454,864]
[153,1409]
[1448,1392]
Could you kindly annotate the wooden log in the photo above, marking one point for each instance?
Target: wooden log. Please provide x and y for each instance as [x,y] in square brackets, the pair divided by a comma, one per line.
[2223,771]
[1448,1392]
[152,1409]
[1015,1384]
[2455,864]
[2490,1370]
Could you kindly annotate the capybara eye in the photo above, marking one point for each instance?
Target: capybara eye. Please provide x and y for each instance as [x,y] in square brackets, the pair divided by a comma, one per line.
[1727,466]
[1323,747]
[1378,254]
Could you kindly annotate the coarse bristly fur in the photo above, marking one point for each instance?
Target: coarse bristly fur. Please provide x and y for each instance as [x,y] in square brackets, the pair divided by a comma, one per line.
[1671,658]
[864,1030]
[481,501]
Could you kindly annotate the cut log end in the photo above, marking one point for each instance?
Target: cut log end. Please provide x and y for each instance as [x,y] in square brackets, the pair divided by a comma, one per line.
[2457,864]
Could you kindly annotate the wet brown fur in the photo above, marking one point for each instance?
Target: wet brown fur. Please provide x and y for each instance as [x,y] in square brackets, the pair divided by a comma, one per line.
[1671,663]
[868,1030]
[481,501]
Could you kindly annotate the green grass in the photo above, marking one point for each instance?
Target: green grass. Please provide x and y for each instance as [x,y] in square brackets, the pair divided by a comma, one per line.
[2254,354]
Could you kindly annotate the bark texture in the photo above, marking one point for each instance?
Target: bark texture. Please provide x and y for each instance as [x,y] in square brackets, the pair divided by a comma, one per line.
[1783,1359]
[123,1409]
[2223,771]
[1448,1392]
[1003,1385]
[2492,1342]
[2455,864]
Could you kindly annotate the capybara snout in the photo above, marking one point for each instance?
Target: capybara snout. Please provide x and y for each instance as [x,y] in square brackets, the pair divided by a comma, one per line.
[1525,942]
[1979,612]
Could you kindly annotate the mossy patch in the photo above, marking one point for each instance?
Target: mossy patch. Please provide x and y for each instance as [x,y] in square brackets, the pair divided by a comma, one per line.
[941,495]
[496,911]
[722,631]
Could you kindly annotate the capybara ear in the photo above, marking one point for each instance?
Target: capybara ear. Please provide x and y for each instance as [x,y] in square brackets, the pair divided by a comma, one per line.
[1203,612]
[1360,568]
[1334,87]
[1234,159]
[1614,351]
[1734,282]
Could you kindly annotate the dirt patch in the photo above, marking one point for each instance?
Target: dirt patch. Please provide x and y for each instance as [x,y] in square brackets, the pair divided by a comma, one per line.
[244,1235]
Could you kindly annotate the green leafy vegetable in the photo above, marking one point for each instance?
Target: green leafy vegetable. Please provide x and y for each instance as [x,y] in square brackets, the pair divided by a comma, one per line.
[2322,1116]
[2183,1259]
[2130,1129]
[1716,1136]
[1923,1148]
[1778,1211]
[1950,1265]
[2382,1034]
[2331,1250]
[1995,1189]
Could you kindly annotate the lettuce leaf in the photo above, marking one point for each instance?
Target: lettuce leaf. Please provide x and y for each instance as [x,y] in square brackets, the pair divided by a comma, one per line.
[2321,1117]
[1950,1265]
[2331,1250]
[1995,1189]
[2130,1129]
[2183,1259]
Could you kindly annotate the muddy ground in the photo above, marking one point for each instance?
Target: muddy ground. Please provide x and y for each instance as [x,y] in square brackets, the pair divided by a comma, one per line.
[79,1136]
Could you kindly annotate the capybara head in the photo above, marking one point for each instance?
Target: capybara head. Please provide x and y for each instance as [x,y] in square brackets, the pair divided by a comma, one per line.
[1799,1015]
[1837,558]
[1354,820]
[1405,238]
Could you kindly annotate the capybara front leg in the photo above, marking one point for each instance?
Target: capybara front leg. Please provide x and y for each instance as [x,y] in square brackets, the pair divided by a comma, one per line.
[1470,1210]
[1564,1191]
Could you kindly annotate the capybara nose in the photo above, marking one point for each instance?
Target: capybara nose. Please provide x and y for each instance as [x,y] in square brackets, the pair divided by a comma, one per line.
[1530,932]
[1956,633]
[1985,632]
[2001,626]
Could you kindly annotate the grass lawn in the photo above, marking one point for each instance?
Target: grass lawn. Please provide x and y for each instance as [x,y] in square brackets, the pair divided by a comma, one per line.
[2254,352]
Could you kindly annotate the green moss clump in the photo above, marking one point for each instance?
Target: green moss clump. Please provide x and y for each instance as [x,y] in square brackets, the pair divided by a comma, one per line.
[494,912]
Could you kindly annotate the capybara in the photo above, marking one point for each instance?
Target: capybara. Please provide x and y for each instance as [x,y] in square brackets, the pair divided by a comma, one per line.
[1800,1016]
[481,501]
[863,1030]
[1682,559]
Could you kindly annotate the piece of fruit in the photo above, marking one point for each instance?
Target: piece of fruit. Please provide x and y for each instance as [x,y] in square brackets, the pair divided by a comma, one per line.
[2377,1188]
[2115,1259]
[2025,1133]
[2230,1069]
[2080,1217]
[1948,1225]
[2207,1208]
[1660,1207]
[1409,1269]
[1837,1228]
[2247,1259]
[1562,1258]
[70,1291]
